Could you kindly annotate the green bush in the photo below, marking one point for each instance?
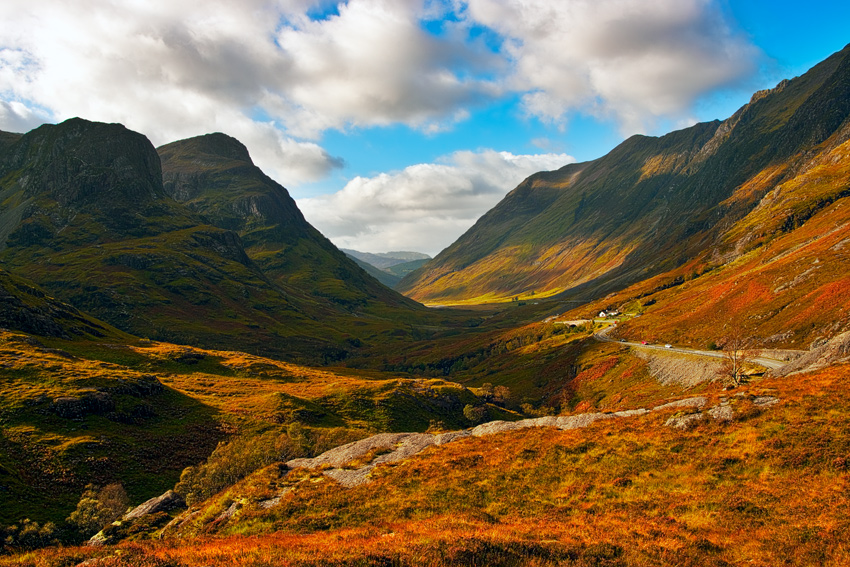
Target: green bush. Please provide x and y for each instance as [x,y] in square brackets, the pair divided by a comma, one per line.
[98,507]
[27,535]
[232,461]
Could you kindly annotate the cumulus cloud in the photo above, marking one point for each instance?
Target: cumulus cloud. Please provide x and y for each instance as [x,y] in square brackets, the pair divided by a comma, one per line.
[633,60]
[373,64]
[424,207]
[261,70]
[276,75]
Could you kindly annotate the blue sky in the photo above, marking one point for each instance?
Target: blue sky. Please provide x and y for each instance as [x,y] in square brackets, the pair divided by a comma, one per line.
[396,123]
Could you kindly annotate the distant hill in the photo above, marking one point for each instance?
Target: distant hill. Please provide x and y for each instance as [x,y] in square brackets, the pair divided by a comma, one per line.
[383,260]
[388,267]
[405,268]
[701,197]
[385,277]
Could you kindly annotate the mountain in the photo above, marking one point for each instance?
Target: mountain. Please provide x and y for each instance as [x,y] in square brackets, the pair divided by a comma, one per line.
[384,260]
[405,268]
[655,204]
[386,278]
[214,176]
[388,267]
[84,213]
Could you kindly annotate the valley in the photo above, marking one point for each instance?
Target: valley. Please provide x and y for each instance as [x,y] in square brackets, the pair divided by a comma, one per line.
[639,360]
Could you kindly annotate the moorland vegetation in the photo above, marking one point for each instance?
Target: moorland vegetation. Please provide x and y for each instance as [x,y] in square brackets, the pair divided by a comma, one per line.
[177,342]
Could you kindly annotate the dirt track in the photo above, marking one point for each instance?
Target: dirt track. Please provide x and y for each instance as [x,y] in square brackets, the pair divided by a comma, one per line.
[602,336]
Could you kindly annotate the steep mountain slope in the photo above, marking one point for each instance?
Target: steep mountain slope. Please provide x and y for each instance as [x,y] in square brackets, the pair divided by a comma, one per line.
[779,274]
[650,205]
[214,176]
[25,307]
[84,215]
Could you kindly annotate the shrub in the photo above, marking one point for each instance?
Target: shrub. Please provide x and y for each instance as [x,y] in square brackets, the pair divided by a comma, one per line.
[27,535]
[475,414]
[234,460]
[98,507]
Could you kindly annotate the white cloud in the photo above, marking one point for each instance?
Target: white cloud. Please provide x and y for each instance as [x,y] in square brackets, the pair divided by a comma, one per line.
[261,70]
[170,70]
[268,73]
[635,60]
[424,207]
[373,64]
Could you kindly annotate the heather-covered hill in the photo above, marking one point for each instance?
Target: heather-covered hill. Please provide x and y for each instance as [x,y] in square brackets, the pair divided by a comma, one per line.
[137,413]
[779,273]
[649,206]
[758,478]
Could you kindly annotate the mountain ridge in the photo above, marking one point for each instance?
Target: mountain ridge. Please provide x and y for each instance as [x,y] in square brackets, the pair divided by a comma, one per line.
[87,215]
[648,206]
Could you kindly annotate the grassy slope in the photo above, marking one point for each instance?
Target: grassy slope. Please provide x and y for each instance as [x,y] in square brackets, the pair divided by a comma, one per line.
[650,205]
[764,489]
[25,307]
[165,408]
[118,424]
[785,282]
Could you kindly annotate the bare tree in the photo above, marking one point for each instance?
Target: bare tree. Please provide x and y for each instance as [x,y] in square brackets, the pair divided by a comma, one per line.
[738,348]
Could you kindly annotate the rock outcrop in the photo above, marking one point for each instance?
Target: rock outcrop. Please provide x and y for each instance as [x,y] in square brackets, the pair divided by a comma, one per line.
[835,351]
[345,463]
[163,503]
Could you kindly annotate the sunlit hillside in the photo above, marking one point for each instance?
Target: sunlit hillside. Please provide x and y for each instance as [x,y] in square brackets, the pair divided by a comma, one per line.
[764,485]
[651,365]
[652,205]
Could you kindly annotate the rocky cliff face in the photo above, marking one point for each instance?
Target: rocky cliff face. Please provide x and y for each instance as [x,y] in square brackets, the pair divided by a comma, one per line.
[80,163]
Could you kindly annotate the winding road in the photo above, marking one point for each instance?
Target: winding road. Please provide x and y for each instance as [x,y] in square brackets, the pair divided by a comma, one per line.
[602,336]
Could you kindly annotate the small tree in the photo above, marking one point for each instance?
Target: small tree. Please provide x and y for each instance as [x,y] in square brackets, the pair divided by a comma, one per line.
[486,390]
[501,394]
[27,535]
[475,414]
[738,348]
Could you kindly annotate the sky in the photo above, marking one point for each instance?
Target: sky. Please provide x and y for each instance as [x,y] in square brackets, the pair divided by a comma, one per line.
[395,124]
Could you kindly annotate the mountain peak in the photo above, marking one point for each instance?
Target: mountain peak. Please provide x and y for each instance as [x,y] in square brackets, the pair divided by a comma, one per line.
[215,144]
[79,162]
